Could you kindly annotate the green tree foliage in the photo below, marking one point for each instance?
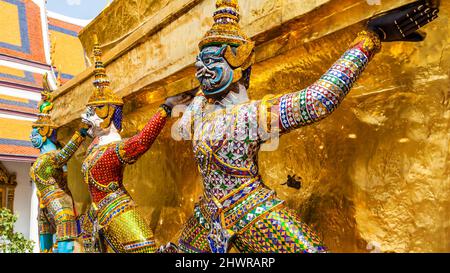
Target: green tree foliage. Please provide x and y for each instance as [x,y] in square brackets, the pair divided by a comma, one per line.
[10,241]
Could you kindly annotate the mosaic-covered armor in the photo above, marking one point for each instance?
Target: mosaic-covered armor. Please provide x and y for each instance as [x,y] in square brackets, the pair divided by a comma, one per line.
[112,208]
[57,213]
[236,201]
[236,204]
[113,223]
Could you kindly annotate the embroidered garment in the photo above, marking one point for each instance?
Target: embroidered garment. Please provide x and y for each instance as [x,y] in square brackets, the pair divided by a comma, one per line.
[226,142]
[113,216]
[57,213]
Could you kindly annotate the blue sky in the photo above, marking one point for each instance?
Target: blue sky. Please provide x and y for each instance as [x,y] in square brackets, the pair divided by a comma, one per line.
[81,9]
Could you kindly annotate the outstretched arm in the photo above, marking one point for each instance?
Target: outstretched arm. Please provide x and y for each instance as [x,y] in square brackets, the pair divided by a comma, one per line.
[129,151]
[321,98]
[69,150]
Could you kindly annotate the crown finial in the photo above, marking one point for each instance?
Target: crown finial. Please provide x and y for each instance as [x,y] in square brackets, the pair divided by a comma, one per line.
[45,106]
[227,12]
[102,93]
[226,29]
[101,79]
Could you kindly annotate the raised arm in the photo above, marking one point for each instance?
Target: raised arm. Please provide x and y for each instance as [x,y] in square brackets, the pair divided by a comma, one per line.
[69,150]
[321,98]
[130,150]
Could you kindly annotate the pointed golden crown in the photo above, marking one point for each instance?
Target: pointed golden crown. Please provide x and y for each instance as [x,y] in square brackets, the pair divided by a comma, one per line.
[226,29]
[45,106]
[102,93]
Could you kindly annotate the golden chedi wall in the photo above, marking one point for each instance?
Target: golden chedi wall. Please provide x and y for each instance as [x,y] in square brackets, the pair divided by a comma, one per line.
[376,172]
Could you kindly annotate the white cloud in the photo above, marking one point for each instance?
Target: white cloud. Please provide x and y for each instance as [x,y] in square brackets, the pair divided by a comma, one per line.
[73,2]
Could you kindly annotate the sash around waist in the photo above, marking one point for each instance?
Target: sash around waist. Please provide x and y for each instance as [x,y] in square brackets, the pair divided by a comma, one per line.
[110,206]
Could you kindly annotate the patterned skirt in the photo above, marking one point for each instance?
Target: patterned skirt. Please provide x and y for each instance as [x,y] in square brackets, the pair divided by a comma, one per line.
[253,219]
[116,226]
[57,214]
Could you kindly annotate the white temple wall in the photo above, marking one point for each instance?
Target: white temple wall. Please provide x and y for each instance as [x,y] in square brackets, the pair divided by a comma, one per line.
[23,195]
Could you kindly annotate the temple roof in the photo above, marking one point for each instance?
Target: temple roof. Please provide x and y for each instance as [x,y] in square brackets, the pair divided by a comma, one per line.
[35,42]
[23,38]
[67,52]
[20,78]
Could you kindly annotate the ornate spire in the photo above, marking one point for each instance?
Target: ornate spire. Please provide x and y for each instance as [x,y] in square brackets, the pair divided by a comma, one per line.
[46,104]
[102,93]
[226,29]
[44,122]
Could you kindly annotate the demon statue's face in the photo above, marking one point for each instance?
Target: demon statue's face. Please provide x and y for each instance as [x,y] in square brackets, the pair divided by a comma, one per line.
[100,119]
[36,139]
[93,121]
[214,72]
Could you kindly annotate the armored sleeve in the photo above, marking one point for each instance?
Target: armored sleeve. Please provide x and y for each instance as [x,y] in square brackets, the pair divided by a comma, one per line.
[319,100]
[130,150]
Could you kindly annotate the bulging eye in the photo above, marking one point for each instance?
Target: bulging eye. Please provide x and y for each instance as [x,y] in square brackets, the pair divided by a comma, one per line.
[90,112]
[102,111]
[208,61]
